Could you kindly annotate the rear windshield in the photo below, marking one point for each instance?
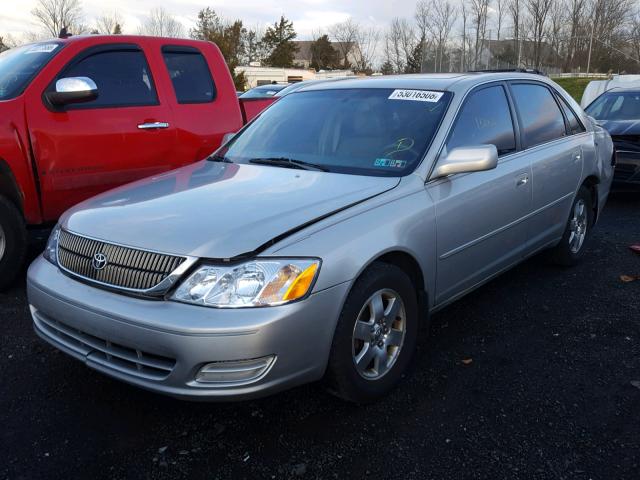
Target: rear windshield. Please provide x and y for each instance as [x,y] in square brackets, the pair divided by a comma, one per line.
[616,106]
[381,132]
[18,66]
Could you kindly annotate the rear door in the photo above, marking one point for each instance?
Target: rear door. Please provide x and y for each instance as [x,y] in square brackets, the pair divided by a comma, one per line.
[553,142]
[123,135]
[203,99]
[480,215]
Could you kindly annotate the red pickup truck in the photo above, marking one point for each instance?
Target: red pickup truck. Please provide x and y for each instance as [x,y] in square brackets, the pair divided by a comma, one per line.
[84,114]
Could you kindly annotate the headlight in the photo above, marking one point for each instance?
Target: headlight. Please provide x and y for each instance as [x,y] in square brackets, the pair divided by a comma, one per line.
[257,283]
[51,250]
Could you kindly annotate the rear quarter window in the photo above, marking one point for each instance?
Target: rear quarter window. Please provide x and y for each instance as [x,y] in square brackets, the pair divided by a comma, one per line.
[190,75]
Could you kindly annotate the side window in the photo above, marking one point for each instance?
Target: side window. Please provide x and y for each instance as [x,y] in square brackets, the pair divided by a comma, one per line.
[122,77]
[575,126]
[485,119]
[189,74]
[542,120]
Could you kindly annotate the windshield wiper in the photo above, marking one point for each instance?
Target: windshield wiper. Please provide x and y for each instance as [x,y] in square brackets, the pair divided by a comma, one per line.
[218,157]
[288,163]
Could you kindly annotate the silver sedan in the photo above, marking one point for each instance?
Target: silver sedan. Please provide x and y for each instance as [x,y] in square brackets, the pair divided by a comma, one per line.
[317,240]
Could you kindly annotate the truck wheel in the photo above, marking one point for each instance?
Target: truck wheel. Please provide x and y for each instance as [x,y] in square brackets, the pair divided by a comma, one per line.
[375,337]
[571,248]
[13,242]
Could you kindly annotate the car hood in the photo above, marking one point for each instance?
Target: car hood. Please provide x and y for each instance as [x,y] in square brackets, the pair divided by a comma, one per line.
[218,210]
[620,127]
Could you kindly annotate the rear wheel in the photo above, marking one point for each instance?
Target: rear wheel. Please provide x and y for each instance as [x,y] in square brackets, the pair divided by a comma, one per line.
[375,337]
[13,242]
[571,248]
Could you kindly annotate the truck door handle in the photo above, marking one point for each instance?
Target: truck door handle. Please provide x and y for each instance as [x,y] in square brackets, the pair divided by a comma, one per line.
[153,125]
[522,180]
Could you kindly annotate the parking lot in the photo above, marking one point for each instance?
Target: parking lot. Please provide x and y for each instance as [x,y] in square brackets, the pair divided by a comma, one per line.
[528,377]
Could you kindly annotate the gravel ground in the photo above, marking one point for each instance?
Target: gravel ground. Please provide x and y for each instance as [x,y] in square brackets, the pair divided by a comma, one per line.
[548,394]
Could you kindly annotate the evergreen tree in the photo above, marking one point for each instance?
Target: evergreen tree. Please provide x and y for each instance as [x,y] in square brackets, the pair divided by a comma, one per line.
[414,62]
[227,36]
[323,55]
[278,40]
[387,68]
[117,30]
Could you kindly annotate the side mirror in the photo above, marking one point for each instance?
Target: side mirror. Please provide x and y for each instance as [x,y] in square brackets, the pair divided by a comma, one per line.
[467,159]
[73,90]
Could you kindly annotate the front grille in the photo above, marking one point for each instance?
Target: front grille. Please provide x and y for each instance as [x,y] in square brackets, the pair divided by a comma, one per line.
[126,267]
[104,352]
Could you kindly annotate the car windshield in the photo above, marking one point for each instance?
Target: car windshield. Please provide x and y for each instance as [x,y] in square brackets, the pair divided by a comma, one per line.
[616,106]
[19,65]
[380,132]
[265,91]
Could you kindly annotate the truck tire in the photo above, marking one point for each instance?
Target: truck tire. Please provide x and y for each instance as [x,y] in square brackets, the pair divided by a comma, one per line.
[13,242]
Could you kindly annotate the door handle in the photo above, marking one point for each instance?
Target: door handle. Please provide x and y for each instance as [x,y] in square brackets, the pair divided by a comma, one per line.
[522,181]
[153,125]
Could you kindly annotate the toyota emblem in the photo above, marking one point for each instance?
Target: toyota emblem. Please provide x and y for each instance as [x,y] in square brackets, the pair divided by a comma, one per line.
[99,261]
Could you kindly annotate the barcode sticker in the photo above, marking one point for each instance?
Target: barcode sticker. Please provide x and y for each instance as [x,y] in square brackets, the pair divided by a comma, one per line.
[416,95]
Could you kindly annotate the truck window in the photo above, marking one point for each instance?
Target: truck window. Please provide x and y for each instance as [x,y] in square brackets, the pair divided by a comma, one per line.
[190,75]
[542,120]
[123,79]
[479,125]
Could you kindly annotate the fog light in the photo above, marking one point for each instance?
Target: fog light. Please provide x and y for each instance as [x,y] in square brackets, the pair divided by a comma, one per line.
[234,372]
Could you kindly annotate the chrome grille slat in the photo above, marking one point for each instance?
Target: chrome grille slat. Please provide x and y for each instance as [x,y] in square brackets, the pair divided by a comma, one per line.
[127,268]
[107,353]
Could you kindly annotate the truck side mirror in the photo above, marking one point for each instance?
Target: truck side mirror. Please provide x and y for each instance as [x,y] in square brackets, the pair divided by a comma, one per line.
[73,90]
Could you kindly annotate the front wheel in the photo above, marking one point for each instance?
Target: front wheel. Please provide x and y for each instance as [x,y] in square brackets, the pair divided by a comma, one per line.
[13,242]
[375,337]
[571,248]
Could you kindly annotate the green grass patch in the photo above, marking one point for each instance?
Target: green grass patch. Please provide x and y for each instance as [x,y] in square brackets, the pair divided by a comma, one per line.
[574,86]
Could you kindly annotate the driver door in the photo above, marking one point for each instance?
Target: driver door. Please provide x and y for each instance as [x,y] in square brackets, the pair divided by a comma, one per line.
[480,216]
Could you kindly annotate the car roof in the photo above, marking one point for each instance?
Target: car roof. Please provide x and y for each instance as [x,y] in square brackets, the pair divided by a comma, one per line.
[434,81]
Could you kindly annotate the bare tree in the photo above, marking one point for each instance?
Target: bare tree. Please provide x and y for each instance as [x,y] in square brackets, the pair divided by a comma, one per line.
[464,11]
[161,24]
[108,22]
[500,13]
[479,14]
[345,35]
[55,15]
[366,47]
[515,11]
[538,11]
[443,18]
[399,43]
[423,17]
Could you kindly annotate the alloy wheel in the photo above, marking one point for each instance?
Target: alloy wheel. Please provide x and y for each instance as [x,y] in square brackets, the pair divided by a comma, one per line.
[378,334]
[578,226]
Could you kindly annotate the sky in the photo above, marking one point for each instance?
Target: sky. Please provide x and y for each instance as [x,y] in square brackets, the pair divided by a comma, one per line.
[308,16]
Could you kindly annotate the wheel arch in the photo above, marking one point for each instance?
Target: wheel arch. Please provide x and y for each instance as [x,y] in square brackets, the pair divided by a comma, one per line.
[410,265]
[9,186]
[591,183]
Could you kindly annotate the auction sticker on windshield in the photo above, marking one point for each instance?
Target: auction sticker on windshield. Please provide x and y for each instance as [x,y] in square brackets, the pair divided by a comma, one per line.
[416,95]
[42,48]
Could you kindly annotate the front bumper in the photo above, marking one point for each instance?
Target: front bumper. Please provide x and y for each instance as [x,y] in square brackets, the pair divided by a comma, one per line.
[627,172]
[161,345]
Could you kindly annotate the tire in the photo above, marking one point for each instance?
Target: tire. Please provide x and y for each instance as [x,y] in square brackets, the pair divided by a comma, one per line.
[571,248]
[13,242]
[391,350]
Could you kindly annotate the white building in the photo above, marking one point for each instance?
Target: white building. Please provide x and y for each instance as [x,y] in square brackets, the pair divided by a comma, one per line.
[257,75]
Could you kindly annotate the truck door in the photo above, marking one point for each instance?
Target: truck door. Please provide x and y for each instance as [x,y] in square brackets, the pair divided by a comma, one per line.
[126,133]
